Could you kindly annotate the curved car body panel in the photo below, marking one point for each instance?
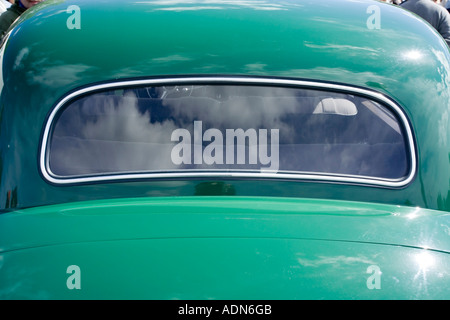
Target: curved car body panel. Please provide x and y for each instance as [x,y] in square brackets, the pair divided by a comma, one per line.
[233,248]
[209,217]
[215,237]
[225,269]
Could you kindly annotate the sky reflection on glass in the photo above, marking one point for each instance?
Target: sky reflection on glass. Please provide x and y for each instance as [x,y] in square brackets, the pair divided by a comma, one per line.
[282,129]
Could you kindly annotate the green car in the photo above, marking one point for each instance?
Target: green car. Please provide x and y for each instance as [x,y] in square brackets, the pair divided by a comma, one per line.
[230,150]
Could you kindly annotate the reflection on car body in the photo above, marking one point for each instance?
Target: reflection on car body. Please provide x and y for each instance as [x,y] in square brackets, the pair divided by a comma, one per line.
[224,150]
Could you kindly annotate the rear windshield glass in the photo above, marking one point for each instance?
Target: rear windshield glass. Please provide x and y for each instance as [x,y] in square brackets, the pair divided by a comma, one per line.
[223,129]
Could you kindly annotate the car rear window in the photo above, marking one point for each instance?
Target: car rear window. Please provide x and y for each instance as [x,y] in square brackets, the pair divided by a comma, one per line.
[184,129]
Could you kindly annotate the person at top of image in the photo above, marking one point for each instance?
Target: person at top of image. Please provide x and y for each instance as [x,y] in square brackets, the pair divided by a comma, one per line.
[13,12]
[433,12]
[5,4]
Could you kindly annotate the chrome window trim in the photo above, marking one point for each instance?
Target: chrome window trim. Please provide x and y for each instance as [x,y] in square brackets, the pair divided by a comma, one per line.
[323,177]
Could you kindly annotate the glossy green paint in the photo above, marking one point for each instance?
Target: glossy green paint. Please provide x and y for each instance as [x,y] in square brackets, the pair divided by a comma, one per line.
[329,41]
[257,238]
[224,248]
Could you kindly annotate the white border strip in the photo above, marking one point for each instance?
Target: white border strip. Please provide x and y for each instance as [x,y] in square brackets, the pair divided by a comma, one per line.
[50,177]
